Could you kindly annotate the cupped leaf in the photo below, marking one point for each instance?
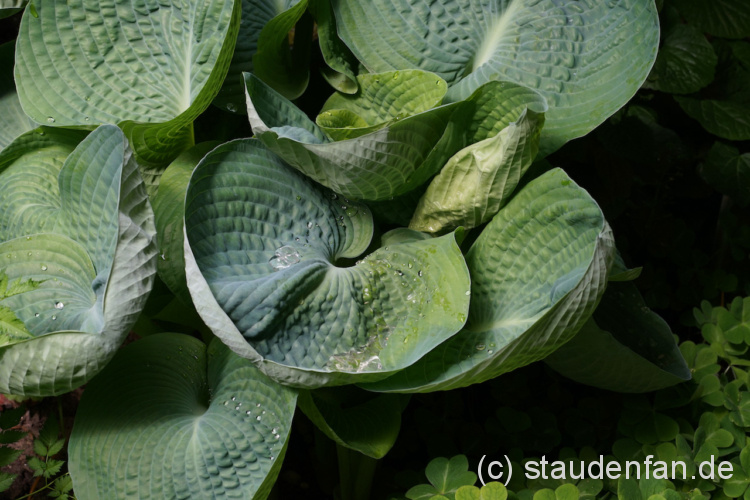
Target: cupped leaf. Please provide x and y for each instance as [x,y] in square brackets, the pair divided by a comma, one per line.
[189,422]
[379,165]
[724,18]
[14,121]
[587,58]
[685,64]
[262,249]
[269,22]
[383,98]
[285,68]
[624,347]
[479,179]
[538,270]
[169,211]
[368,424]
[150,67]
[342,65]
[75,218]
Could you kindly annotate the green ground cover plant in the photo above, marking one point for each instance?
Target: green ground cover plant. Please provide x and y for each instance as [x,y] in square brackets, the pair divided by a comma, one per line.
[362,210]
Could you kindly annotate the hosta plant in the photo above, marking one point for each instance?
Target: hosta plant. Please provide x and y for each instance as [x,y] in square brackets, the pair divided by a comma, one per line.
[281,242]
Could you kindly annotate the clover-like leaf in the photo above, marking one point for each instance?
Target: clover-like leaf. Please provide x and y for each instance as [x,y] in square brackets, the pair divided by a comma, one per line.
[369,425]
[14,121]
[384,163]
[267,254]
[490,491]
[529,296]
[149,67]
[191,421]
[586,58]
[445,477]
[76,218]
[624,347]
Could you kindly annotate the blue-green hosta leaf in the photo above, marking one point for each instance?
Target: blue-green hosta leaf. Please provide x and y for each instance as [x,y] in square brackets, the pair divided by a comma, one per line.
[274,19]
[538,270]
[624,347]
[342,65]
[379,165]
[685,64]
[479,179]
[76,218]
[382,99]
[367,424]
[724,18]
[169,211]
[170,418]
[586,57]
[263,250]
[151,67]
[283,68]
[14,121]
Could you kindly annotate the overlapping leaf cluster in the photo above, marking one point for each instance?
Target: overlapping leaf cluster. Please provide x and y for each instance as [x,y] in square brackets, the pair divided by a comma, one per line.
[281,243]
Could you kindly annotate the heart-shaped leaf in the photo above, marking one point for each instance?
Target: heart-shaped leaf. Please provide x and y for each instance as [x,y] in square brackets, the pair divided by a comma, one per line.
[538,270]
[189,422]
[152,68]
[587,58]
[624,347]
[267,254]
[75,218]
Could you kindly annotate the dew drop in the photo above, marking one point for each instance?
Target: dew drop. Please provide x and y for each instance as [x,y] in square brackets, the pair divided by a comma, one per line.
[44,268]
[50,119]
[231,107]
[489,352]
[258,405]
[257,418]
[468,292]
[248,412]
[283,258]
[233,398]
[419,273]
[309,225]
[28,238]
[54,318]
[480,347]
[36,315]
[59,305]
